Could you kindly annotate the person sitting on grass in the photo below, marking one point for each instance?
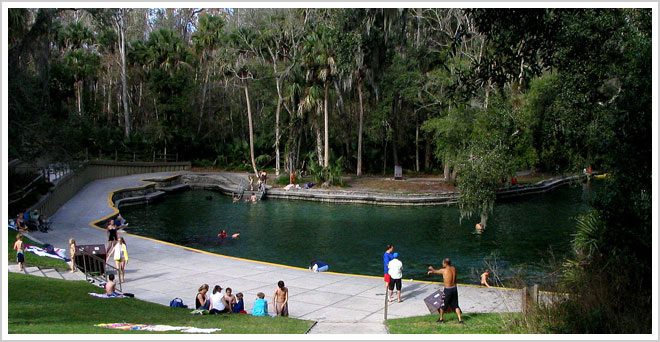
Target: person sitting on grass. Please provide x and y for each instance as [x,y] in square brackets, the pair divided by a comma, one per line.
[260,307]
[218,303]
[202,301]
[239,307]
[229,299]
[110,287]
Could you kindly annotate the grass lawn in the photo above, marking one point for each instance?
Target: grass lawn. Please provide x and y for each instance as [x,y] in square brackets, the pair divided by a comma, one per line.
[485,323]
[41,305]
[32,259]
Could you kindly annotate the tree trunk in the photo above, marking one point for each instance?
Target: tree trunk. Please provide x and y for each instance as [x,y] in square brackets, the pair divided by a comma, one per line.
[325,111]
[124,88]
[416,143]
[395,131]
[446,169]
[319,143]
[277,127]
[484,218]
[359,153]
[201,109]
[78,86]
[427,152]
[247,100]
[453,174]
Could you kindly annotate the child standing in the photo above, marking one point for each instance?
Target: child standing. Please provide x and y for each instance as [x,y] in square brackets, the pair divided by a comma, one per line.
[281,299]
[72,253]
[260,306]
[20,251]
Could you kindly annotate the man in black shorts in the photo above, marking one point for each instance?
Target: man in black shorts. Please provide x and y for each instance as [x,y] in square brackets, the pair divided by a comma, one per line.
[450,293]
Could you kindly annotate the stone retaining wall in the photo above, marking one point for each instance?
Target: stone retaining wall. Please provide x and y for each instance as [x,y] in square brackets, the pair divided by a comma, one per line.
[204,181]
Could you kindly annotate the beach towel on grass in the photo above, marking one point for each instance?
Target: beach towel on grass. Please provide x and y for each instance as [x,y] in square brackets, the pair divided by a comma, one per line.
[47,251]
[105,295]
[157,328]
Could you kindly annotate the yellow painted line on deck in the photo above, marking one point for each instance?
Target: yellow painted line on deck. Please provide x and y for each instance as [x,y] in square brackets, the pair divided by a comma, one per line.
[116,211]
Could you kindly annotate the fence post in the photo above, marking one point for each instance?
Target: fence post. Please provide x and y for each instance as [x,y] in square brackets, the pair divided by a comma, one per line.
[524,301]
[385,309]
[154,159]
[165,154]
[535,294]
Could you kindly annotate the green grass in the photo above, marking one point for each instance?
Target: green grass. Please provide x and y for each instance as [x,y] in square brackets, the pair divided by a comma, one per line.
[33,259]
[42,305]
[485,323]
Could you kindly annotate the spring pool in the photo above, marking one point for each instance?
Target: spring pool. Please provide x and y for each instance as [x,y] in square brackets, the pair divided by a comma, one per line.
[523,235]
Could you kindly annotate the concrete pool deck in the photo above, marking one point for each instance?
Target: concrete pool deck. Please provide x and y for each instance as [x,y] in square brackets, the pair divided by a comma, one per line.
[160,271]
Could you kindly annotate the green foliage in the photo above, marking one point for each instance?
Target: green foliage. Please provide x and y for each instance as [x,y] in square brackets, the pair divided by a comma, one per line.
[331,174]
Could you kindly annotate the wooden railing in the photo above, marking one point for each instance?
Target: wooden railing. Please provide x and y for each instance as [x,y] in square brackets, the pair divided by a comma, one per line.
[96,268]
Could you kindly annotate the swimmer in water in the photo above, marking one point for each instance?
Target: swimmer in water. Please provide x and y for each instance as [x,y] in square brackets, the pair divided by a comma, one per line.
[236,235]
[223,234]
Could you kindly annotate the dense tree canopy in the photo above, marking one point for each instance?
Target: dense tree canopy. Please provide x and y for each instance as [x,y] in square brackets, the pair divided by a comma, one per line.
[475,95]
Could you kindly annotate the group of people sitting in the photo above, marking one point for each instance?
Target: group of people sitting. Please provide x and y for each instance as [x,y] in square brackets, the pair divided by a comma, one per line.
[30,221]
[218,302]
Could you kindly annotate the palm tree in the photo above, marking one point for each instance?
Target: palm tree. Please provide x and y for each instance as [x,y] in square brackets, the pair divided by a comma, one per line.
[206,39]
[319,59]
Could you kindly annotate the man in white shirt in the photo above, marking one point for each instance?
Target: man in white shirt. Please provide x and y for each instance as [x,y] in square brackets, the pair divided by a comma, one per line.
[395,271]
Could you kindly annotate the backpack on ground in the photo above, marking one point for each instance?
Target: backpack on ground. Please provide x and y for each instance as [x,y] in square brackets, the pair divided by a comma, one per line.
[177,303]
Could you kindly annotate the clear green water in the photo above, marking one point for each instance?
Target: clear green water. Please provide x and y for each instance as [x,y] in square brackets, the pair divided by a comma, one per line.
[351,238]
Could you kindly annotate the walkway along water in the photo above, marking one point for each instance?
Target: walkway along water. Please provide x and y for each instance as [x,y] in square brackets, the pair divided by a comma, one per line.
[159,271]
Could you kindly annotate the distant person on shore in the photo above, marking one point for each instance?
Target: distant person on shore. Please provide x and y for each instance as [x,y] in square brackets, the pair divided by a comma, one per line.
[260,307]
[121,258]
[229,299]
[202,301]
[484,278]
[19,247]
[387,257]
[395,270]
[21,226]
[251,183]
[239,307]
[292,178]
[281,300]
[111,231]
[479,228]
[450,292]
[72,253]
[218,303]
[262,178]
[120,223]
[318,266]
